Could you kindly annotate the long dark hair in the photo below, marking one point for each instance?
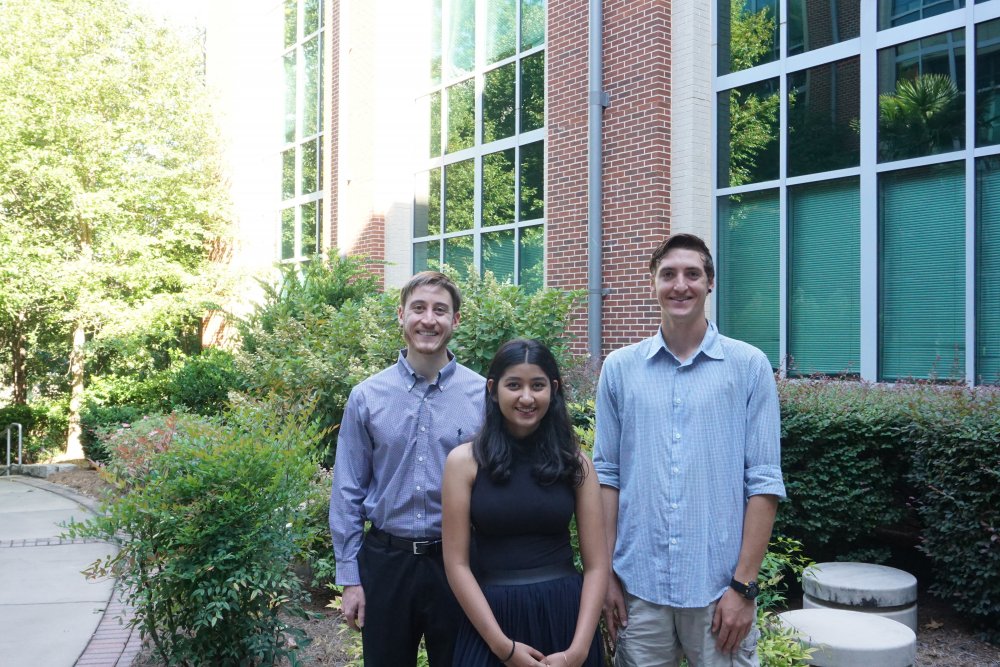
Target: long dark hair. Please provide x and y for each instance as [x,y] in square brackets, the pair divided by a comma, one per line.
[557,449]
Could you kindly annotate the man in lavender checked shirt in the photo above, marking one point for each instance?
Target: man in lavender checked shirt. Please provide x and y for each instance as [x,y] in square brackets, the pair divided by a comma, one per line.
[687,452]
[398,428]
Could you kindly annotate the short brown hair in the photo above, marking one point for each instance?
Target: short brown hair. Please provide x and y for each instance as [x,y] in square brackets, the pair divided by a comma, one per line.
[431,279]
[684,242]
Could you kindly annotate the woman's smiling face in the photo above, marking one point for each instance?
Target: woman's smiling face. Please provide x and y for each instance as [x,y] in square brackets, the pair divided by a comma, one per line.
[523,394]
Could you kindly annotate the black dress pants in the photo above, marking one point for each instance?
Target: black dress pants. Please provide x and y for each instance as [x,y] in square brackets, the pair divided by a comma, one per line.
[406,596]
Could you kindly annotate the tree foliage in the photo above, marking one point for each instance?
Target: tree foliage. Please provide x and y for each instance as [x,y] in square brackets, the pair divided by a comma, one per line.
[110,187]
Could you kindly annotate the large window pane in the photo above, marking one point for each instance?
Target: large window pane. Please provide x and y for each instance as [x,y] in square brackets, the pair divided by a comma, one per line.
[988,271]
[532,258]
[498,188]
[310,166]
[988,83]
[501,29]
[921,97]
[459,196]
[748,286]
[310,16]
[748,133]
[532,23]
[288,173]
[290,106]
[310,228]
[435,124]
[427,203]
[436,19]
[461,116]
[498,103]
[823,125]
[291,18]
[498,255]
[897,12]
[748,34]
[813,24]
[824,287]
[288,233]
[311,111]
[922,269]
[459,254]
[427,256]
[532,183]
[533,92]
[461,37]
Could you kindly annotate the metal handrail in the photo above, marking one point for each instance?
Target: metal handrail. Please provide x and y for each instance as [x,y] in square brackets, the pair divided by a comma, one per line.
[19,439]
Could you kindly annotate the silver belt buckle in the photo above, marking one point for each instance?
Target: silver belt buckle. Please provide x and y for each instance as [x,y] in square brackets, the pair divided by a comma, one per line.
[417,548]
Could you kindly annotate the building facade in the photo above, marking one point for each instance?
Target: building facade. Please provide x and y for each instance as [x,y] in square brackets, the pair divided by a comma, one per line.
[831,151]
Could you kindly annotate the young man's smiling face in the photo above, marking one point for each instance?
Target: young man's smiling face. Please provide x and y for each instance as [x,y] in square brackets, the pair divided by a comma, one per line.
[681,286]
[428,319]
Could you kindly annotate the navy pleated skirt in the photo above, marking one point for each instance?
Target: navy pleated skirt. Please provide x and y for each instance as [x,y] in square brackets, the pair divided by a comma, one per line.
[542,615]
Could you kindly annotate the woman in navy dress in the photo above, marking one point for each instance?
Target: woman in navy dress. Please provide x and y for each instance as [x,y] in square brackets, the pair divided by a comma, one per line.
[509,496]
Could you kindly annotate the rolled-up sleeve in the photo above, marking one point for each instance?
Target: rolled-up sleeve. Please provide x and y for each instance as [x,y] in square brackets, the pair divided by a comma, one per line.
[762,465]
[608,429]
[352,474]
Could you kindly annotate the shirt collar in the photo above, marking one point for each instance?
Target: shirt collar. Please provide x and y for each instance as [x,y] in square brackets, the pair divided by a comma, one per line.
[710,346]
[411,378]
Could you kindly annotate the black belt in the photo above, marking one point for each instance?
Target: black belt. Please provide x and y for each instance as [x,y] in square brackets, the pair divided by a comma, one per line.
[534,575]
[416,547]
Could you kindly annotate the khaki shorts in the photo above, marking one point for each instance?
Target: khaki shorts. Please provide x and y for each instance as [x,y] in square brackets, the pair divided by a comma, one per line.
[659,636]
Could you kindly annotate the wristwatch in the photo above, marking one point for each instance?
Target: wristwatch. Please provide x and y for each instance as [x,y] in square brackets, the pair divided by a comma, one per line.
[749,590]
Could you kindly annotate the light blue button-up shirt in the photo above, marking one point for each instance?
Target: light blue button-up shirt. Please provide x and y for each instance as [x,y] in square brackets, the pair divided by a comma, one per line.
[397,430]
[686,443]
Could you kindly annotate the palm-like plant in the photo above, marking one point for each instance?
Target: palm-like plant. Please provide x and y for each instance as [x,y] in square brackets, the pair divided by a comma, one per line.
[922,117]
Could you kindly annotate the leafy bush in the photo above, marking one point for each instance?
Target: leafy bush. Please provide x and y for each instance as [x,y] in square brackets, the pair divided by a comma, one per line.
[99,420]
[208,529]
[955,440]
[779,646]
[202,383]
[43,431]
[843,465]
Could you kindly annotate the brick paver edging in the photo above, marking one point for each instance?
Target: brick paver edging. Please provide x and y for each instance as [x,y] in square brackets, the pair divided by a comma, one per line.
[115,643]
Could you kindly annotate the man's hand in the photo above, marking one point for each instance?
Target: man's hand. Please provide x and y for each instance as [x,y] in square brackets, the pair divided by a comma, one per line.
[615,614]
[352,603]
[734,616]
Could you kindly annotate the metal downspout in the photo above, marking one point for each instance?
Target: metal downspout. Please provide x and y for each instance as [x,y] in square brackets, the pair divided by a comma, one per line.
[597,100]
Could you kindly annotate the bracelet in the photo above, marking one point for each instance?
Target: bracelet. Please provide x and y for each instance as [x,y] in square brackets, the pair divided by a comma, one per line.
[511,654]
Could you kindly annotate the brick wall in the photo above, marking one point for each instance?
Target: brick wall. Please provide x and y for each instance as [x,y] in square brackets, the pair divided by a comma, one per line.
[371,243]
[636,186]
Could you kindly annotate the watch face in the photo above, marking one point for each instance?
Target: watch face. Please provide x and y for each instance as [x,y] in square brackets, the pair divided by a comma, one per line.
[753,590]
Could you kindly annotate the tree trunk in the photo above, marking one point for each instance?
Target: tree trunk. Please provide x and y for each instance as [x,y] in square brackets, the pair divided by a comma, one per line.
[19,362]
[74,446]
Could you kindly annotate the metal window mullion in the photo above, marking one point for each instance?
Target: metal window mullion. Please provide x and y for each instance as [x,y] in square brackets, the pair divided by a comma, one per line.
[970,197]
[868,193]
[783,191]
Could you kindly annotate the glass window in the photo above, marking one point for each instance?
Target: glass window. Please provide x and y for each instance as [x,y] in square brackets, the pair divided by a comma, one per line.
[498,102]
[922,272]
[287,233]
[532,23]
[461,37]
[988,270]
[988,83]
[291,116]
[310,227]
[533,92]
[813,24]
[435,28]
[898,12]
[498,255]
[922,97]
[824,283]
[477,146]
[532,182]
[824,132]
[312,12]
[501,19]
[458,254]
[311,109]
[748,34]
[310,166]
[498,188]
[748,133]
[427,256]
[749,280]
[532,257]
[461,116]
[291,22]
[288,174]
[459,196]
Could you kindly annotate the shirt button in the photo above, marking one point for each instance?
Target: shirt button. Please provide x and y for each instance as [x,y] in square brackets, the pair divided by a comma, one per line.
[419,515]
[677,401]
[672,540]
[674,470]
[420,458]
[673,506]
[677,436]
[424,428]
[418,488]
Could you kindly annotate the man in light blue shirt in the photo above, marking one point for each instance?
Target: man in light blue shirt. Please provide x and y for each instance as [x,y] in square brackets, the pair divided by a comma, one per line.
[687,451]
[399,426]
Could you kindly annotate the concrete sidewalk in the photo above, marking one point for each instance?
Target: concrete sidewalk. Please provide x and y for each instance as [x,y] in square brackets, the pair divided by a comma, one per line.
[48,610]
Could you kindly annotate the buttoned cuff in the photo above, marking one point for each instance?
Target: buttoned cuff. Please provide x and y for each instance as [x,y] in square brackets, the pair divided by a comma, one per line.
[347,574]
[764,480]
